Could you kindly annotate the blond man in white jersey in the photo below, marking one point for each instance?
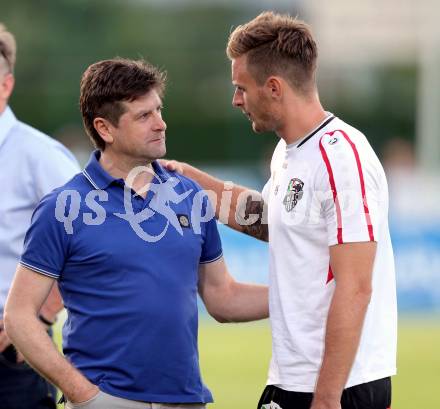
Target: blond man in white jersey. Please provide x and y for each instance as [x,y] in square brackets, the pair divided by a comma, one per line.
[332,282]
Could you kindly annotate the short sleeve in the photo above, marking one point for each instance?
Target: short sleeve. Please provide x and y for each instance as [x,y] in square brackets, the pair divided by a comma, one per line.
[46,241]
[212,246]
[348,184]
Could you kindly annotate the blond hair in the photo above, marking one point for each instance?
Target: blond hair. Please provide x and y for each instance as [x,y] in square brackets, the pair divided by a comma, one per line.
[276,44]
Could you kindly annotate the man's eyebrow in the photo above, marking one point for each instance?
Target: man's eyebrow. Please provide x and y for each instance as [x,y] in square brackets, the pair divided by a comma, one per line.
[147,111]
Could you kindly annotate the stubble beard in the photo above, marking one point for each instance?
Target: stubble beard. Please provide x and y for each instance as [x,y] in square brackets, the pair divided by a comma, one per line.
[267,124]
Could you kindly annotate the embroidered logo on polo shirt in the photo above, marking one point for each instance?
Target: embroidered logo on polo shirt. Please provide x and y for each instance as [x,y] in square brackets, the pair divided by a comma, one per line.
[183,220]
[294,194]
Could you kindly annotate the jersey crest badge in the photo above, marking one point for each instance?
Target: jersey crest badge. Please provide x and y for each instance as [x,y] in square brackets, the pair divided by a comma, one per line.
[294,194]
[183,220]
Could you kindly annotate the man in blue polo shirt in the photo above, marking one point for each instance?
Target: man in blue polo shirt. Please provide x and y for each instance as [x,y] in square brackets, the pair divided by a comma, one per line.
[130,245]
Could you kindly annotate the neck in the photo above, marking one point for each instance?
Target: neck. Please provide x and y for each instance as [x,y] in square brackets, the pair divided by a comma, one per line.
[302,116]
[3,106]
[119,166]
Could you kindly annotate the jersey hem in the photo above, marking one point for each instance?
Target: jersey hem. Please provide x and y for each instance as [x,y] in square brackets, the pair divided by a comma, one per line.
[353,239]
[356,381]
[39,270]
[212,260]
[158,398]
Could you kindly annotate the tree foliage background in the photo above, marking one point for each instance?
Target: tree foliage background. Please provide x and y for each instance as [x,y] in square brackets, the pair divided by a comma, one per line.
[57,40]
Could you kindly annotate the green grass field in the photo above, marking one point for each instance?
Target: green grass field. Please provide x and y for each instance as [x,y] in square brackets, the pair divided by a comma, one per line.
[234,360]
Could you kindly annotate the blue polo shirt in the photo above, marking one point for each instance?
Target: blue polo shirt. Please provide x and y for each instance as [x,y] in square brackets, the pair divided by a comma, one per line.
[128,275]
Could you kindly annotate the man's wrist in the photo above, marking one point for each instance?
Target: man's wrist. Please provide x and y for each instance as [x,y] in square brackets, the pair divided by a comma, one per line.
[327,398]
[323,400]
[83,393]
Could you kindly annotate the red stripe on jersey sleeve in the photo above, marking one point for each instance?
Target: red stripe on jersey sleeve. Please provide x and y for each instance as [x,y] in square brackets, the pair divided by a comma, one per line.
[335,193]
[361,178]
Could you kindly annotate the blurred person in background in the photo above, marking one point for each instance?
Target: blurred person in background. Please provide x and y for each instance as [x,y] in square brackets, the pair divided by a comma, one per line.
[324,211]
[129,280]
[31,165]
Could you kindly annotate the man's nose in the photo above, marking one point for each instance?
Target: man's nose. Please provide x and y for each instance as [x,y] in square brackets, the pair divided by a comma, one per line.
[237,99]
[160,124]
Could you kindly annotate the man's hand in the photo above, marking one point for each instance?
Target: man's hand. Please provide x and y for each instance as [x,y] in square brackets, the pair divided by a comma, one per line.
[173,165]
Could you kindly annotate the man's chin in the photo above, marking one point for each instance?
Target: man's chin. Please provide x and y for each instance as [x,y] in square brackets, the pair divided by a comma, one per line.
[162,153]
[257,128]
[155,155]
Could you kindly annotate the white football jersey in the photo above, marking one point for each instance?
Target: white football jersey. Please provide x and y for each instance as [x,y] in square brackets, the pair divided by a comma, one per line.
[326,189]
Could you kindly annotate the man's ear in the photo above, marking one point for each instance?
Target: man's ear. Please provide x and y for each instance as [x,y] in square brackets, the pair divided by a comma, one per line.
[6,86]
[104,129]
[275,87]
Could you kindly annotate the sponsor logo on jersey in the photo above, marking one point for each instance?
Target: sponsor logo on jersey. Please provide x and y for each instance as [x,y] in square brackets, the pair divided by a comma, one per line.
[294,194]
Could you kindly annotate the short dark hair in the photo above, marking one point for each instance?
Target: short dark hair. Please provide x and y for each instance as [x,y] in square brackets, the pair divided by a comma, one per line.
[106,84]
[276,44]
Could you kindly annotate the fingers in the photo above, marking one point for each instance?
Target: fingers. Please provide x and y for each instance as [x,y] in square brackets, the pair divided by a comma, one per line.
[172,165]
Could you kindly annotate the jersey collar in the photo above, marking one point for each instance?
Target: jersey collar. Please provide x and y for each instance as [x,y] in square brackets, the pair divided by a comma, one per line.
[306,138]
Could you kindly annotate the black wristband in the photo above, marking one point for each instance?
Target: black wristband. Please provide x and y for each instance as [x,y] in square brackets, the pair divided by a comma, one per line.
[45,320]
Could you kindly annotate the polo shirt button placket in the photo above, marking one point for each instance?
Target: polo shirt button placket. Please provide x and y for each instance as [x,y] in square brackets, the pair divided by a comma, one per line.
[139,202]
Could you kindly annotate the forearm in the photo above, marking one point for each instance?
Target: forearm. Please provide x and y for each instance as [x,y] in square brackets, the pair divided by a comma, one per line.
[344,327]
[29,336]
[240,208]
[243,303]
[53,304]
[225,195]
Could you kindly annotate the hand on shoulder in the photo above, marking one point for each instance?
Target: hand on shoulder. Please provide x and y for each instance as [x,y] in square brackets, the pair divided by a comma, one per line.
[173,165]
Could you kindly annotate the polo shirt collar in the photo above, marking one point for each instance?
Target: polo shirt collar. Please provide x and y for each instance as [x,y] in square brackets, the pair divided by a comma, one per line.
[160,171]
[7,122]
[100,179]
